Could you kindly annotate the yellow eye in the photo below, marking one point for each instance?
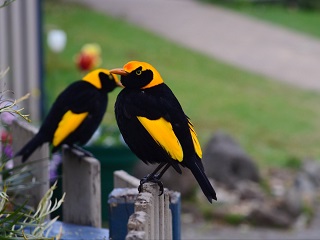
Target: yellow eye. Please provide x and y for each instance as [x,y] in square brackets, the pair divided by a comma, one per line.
[138,72]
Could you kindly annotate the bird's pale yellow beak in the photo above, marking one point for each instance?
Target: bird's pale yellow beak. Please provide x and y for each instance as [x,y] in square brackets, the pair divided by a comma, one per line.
[117,80]
[119,71]
[119,84]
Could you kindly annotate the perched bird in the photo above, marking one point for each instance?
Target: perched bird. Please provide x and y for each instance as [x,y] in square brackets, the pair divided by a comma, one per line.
[155,127]
[75,114]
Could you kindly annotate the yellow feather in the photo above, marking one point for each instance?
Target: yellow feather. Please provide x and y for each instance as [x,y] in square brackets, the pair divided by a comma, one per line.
[69,122]
[195,140]
[161,131]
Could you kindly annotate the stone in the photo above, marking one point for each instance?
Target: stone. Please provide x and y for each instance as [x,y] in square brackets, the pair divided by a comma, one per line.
[226,162]
[247,190]
[312,169]
[266,214]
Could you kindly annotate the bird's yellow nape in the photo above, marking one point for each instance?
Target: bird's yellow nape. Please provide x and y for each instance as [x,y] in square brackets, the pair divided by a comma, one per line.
[93,77]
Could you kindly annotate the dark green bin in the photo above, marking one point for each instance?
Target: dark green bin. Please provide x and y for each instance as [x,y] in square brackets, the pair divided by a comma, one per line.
[111,159]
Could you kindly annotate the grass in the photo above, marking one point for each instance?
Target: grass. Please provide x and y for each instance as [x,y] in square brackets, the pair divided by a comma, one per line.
[274,122]
[305,21]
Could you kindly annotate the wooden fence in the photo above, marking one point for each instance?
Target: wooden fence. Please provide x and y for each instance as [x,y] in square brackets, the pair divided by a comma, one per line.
[149,216]
[21,51]
[81,178]
[132,215]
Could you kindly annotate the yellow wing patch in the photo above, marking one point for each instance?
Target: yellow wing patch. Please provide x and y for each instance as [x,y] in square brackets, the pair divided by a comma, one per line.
[69,122]
[161,131]
[195,140]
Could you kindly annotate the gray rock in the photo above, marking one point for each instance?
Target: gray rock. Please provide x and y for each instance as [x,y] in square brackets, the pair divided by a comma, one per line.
[312,169]
[266,214]
[291,202]
[226,162]
[247,190]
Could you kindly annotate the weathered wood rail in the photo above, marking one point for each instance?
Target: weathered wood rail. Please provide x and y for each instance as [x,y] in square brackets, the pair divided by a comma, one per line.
[21,50]
[132,215]
[149,216]
[81,178]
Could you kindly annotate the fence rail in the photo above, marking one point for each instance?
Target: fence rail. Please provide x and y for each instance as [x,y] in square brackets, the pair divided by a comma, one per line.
[132,215]
[81,178]
[149,216]
[152,216]
[20,50]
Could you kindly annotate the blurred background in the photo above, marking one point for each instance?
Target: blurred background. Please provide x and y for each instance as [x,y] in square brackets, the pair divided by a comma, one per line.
[245,71]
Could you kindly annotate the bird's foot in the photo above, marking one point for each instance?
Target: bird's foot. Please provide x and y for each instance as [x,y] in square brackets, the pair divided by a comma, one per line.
[151,178]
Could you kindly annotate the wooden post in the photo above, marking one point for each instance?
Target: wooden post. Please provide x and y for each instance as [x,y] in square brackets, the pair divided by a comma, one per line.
[20,49]
[151,216]
[22,132]
[158,214]
[121,179]
[81,183]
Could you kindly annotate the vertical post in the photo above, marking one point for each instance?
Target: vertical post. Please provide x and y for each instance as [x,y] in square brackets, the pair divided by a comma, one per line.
[33,57]
[4,64]
[156,220]
[175,206]
[22,132]
[81,183]
[153,216]
[168,234]
[20,49]
[17,39]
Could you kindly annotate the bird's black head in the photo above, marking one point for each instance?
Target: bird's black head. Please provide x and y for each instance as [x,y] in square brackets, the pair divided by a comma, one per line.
[103,79]
[137,78]
[138,75]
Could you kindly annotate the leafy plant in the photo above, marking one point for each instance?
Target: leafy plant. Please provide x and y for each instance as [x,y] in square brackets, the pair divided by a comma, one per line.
[17,221]
[21,224]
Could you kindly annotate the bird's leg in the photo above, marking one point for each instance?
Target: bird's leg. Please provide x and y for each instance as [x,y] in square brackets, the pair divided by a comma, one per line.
[85,152]
[158,176]
[152,177]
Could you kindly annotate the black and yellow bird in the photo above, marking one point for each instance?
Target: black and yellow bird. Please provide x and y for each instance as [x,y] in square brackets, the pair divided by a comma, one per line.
[75,114]
[155,127]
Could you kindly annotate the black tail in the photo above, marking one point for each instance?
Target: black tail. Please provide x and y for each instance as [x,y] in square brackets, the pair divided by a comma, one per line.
[198,172]
[30,147]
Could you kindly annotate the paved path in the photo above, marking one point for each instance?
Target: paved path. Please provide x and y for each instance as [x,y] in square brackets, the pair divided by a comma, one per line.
[233,38]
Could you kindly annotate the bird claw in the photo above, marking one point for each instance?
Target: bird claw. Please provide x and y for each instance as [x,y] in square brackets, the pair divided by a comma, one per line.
[154,179]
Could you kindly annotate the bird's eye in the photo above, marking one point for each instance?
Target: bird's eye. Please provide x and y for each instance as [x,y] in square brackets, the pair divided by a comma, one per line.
[138,72]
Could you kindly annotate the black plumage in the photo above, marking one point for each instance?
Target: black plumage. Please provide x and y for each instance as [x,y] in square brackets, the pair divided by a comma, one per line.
[154,125]
[75,114]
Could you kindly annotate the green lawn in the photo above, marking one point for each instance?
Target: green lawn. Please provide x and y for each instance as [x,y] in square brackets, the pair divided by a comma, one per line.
[274,122]
[296,19]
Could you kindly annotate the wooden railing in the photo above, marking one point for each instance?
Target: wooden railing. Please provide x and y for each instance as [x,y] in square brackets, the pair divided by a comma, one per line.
[81,178]
[21,50]
[132,215]
[149,216]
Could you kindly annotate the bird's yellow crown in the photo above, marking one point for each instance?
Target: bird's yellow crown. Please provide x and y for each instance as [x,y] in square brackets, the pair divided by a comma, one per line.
[93,77]
[133,65]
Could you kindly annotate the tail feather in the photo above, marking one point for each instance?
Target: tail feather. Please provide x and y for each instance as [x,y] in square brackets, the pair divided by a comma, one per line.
[30,147]
[198,172]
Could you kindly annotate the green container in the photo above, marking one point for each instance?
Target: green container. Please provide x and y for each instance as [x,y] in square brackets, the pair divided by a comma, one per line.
[111,159]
